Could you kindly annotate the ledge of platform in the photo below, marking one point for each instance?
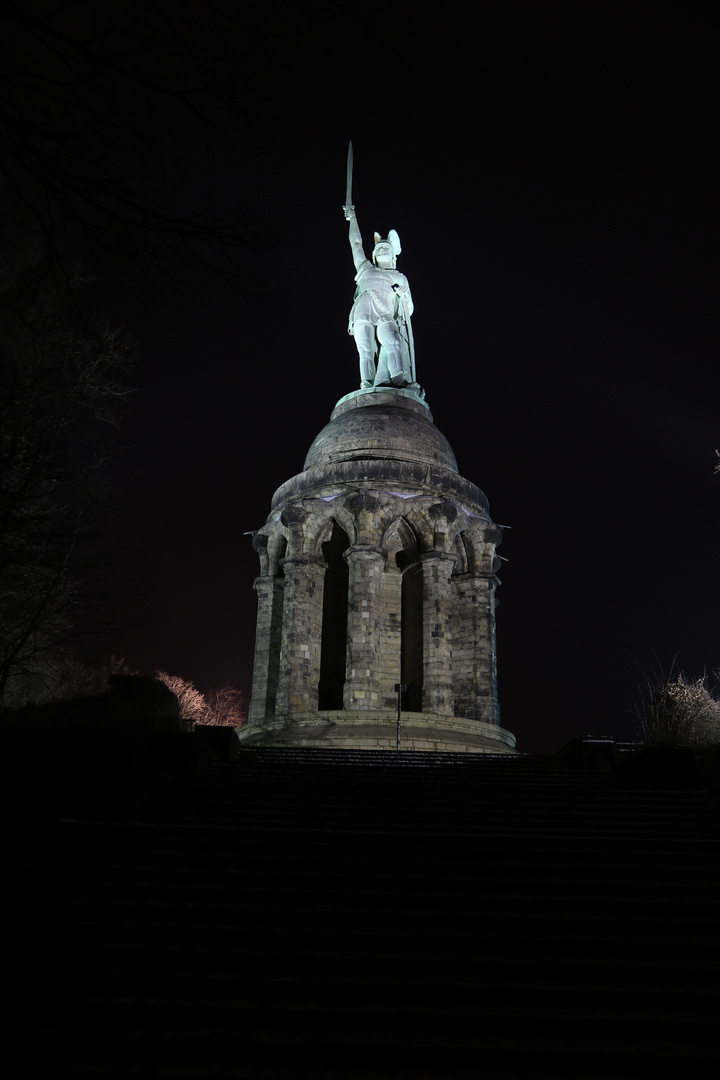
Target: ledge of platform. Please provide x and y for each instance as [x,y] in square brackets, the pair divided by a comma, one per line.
[377,730]
[381,395]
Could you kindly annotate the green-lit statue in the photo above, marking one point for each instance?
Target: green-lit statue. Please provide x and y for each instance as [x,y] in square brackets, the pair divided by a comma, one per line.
[380,316]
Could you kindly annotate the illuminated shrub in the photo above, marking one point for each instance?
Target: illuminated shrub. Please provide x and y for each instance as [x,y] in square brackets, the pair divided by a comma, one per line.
[681,711]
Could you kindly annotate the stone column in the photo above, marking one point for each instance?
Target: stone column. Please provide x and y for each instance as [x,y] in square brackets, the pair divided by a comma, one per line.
[267,647]
[301,635]
[474,654]
[362,682]
[437,567]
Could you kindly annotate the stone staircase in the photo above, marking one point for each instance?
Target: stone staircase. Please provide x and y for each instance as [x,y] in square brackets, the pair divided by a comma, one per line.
[313,914]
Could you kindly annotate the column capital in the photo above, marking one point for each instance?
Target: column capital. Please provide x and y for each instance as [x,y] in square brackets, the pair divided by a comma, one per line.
[366,551]
[438,555]
[362,500]
[295,561]
[446,509]
[488,579]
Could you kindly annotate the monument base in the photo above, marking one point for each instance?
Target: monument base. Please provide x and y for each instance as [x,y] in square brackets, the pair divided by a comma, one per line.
[377,730]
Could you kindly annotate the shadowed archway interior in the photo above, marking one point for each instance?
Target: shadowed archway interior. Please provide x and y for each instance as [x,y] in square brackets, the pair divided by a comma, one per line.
[334,620]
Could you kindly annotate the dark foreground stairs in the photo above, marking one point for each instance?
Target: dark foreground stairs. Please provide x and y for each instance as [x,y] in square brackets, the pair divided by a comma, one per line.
[311,913]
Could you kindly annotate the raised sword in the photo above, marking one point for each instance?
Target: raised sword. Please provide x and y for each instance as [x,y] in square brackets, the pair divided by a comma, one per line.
[348,186]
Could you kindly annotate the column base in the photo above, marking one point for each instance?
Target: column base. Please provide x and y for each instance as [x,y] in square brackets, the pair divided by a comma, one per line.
[371,729]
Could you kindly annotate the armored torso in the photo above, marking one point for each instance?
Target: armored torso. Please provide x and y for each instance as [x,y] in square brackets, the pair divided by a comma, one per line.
[377,294]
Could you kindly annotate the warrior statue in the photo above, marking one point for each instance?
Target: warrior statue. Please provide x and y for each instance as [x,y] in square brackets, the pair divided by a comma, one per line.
[380,316]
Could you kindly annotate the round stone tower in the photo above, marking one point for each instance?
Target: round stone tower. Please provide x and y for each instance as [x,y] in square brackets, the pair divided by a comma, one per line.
[377,579]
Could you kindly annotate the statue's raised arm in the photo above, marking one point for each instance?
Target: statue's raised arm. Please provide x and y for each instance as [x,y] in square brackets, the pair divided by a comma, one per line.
[358,253]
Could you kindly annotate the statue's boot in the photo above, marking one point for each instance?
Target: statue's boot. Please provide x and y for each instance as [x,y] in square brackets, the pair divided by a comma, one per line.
[367,369]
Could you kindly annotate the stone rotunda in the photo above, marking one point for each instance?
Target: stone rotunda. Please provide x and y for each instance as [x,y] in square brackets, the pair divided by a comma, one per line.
[377,572]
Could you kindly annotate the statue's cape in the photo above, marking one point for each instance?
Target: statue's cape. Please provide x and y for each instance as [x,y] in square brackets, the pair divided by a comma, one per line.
[403,320]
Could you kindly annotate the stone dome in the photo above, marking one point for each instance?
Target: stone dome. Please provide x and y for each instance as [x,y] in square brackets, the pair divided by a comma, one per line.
[380,437]
[392,425]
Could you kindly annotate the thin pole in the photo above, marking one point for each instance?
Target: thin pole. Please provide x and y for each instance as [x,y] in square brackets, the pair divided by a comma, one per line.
[400,689]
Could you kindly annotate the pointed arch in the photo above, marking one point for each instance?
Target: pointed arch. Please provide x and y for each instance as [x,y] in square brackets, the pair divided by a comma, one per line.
[400,542]
[333,646]
[405,583]
[463,559]
[321,526]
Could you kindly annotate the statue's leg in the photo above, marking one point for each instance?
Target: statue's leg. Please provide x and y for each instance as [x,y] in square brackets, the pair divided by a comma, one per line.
[389,337]
[382,375]
[364,334]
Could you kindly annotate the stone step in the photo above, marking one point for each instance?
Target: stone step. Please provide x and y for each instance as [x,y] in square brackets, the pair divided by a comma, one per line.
[218,1039]
[310,916]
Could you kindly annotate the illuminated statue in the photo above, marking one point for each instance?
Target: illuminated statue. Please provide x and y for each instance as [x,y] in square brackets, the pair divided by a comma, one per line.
[380,316]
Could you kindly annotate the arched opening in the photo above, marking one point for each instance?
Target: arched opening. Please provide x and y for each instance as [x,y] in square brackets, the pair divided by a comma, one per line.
[334,620]
[411,615]
[462,555]
[411,638]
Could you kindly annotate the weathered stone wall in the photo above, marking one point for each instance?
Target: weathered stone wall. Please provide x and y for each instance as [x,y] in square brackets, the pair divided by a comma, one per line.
[266,669]
[390,658]
[420,584]
[474,655]
[377,730]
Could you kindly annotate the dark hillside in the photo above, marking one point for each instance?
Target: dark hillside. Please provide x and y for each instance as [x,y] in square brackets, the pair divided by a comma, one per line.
[328,914]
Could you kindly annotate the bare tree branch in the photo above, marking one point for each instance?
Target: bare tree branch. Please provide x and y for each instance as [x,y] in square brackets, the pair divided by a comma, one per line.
[101,108]
[60,387]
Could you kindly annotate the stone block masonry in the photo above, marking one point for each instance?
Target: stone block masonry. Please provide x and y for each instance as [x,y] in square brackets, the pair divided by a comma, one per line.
[377,568]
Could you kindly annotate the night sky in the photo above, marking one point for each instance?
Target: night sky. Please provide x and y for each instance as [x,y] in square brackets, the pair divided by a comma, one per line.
[552,174]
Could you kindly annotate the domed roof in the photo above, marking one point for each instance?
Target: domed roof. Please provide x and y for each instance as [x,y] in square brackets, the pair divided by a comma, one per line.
[380,438]
[390,424]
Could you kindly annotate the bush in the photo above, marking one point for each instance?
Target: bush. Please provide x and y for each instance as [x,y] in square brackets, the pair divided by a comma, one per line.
[225,708]
[679,711]
[193,707]
[221,708]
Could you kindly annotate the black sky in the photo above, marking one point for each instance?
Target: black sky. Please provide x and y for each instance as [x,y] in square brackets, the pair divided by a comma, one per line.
[553,176]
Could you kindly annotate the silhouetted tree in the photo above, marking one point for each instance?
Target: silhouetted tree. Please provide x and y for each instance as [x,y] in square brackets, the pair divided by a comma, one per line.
[60,385]
[107,108]
[115,118]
